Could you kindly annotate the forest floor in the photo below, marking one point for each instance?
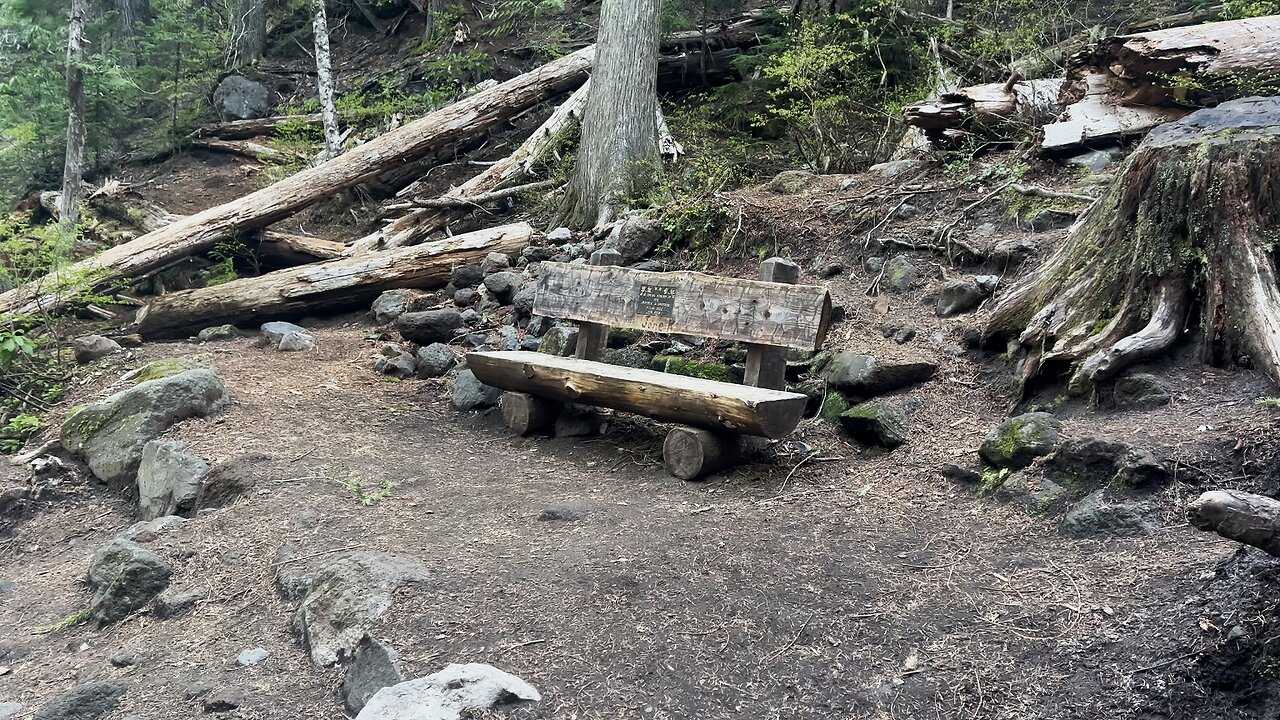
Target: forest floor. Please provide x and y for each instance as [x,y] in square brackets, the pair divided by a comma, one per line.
[858,584]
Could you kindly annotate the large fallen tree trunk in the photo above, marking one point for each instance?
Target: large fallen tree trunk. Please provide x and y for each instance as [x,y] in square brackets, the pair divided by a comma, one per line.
[333,285]
[245,129]
[1190,221]
[998,108]
[1244,517]
[199,232]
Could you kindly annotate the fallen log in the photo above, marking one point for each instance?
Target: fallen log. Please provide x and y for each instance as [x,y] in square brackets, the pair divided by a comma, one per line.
[1244,517]
[245,129]
[201,231]
[246,148]
[326,286]
[998,108]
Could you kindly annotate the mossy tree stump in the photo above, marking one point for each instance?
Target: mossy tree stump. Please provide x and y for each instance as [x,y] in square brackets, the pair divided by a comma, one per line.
[1189,227]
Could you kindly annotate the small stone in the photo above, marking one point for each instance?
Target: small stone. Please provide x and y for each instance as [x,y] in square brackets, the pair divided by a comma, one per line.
[508,338]
[1098,516]
[524,298]
[900,274]
[466,276]
[93,347]
[86,702]
[224,700]
[435,360]
[197,689]
[252,656]
[561,514]
[873,264]
[465,297]
[172,604]
[274,332]
[560,235]
[831,269]
[471,317]
[650,266]
[901,334]
[537,253]
[964,475]
[124,658]
[538,326]
[790,182]
[905,211]
[960,295]
[218,333]
[297,342]
[495,262]
[1094,160]
[125,577]
[504,285]
[559,340]
[401,364]
[469,393]
[373,667]
[1018,441]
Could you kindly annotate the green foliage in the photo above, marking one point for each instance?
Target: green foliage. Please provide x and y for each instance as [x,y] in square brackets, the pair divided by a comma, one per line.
[524,16]
[1270,403]
[1240,9]
[65,623]
[677,365]
[365,496]
[30,379]
[992,480]
[227,256]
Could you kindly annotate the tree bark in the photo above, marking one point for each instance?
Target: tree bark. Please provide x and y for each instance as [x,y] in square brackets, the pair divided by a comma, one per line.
[73,165]
[1244,517]
[130,15]
[196,233]
[336,284]
[618,153]
[325,85]
[1189,222]
[248,32]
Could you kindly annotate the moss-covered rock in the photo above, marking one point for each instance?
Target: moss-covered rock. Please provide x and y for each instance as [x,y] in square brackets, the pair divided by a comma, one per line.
[628,357]
[875,423]
[677,365]
[620,337]
[165,368]
[834,405]
[790,182]
[1018,441]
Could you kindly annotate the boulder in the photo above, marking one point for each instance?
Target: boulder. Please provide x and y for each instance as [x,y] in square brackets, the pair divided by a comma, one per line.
[559,340]
[394,303]
[373,667]
[435,360]
[218,333]
[628,357]
[86,702]
[1035,495]
[636,237]
[790,182]
[430,326]
[560,235]
[1088,463]
[495,262]
[1139,391]
[93,347]
[875,423]
[895,168]
[900,274]
[524,298]
[296,342]
[395,361]
[1018,441]
[470,394]
[239,98]
[447,694]
[862,376]
[1097,515]
[124,577]
[274,332]
[504,285]
[169,479]
[110,435]
[345,597]
[962,295]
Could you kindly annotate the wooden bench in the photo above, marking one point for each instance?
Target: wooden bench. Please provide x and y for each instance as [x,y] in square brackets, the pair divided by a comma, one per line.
[770,315]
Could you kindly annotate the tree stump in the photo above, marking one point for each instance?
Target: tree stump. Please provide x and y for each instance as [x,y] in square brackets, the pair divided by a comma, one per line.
[692,453]
[1191,221]
[528,414]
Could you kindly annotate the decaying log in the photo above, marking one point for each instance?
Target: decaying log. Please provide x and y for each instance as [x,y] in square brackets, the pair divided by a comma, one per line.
[994,108]
[280,250]
[201,231]
[677,398]
[1194,207]
[1244,517]
[1098,117]
[668,146]
[455,203]
[246,148]
[336,284]
[245,129]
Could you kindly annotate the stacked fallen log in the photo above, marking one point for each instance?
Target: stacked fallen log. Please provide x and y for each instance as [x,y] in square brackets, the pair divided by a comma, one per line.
[1001,108]
[327,286]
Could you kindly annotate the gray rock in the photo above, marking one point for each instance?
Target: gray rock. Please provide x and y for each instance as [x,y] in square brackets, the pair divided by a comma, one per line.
[225,700]
[905,211]
[538,326]
[896,331]
[536,253]
[508,338]
[218,333]
[961,295]
[900,274]
[274,332]
[1098,516]
[396,364]
[109,435]
[635,238]
[169,478]
[1139,391]
[476,340]
[466,276]
[170,604]
[239,98]
[430,326]
[471,317]
[790,182]
[650,266]
[470,394]
[296,342]
[873,265]
[561,514]
[251,656]
[146,530]
[86,702]
[559,340]
[560,235]
[391,305]
[960,474]
[1089,463]
[504,285]
[862,376]
[93,347]
[345,598]
[1094,160]
[1050,219]
[465,297]
[1018,441]
[1037,495]
[628,357]
[373,667]
[530,344]
[894,168]
[495,262]
[446,695]
[875,423]
[124,577]
[435,360]
[522,301]
[124,658]
[10,709]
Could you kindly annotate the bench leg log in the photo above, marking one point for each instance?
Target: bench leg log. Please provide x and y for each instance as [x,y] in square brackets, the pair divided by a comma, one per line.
[692,453]
[528,414]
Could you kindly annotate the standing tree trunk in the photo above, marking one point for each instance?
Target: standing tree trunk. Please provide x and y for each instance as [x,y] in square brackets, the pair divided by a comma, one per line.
[248,32]
[130,15]
[1190,222]
[73,167]
[618,154]
[324,81]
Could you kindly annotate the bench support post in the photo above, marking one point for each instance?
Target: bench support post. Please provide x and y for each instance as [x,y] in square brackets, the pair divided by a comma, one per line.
[527,414]
[691,453]
[593,338]
[766,364]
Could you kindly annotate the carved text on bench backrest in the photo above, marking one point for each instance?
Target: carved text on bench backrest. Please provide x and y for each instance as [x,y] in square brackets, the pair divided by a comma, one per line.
[686,302]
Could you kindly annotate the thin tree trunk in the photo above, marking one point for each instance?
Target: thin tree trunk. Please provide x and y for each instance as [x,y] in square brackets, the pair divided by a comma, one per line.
[248,32]
[618,154]
[325,82]
[73,167]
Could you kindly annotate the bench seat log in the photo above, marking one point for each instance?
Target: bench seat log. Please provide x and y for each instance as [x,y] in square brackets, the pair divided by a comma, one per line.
[662,396]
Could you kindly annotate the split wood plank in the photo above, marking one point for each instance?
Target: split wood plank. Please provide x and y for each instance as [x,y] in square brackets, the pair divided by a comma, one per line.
[686,302]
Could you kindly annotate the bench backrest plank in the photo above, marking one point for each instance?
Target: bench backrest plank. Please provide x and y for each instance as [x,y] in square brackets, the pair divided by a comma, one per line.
[686,302]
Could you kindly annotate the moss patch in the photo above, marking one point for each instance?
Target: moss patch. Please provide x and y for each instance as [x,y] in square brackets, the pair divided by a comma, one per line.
[694,368]
[165,368]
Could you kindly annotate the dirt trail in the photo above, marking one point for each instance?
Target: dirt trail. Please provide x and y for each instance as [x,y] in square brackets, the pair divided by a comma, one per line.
[863,588]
